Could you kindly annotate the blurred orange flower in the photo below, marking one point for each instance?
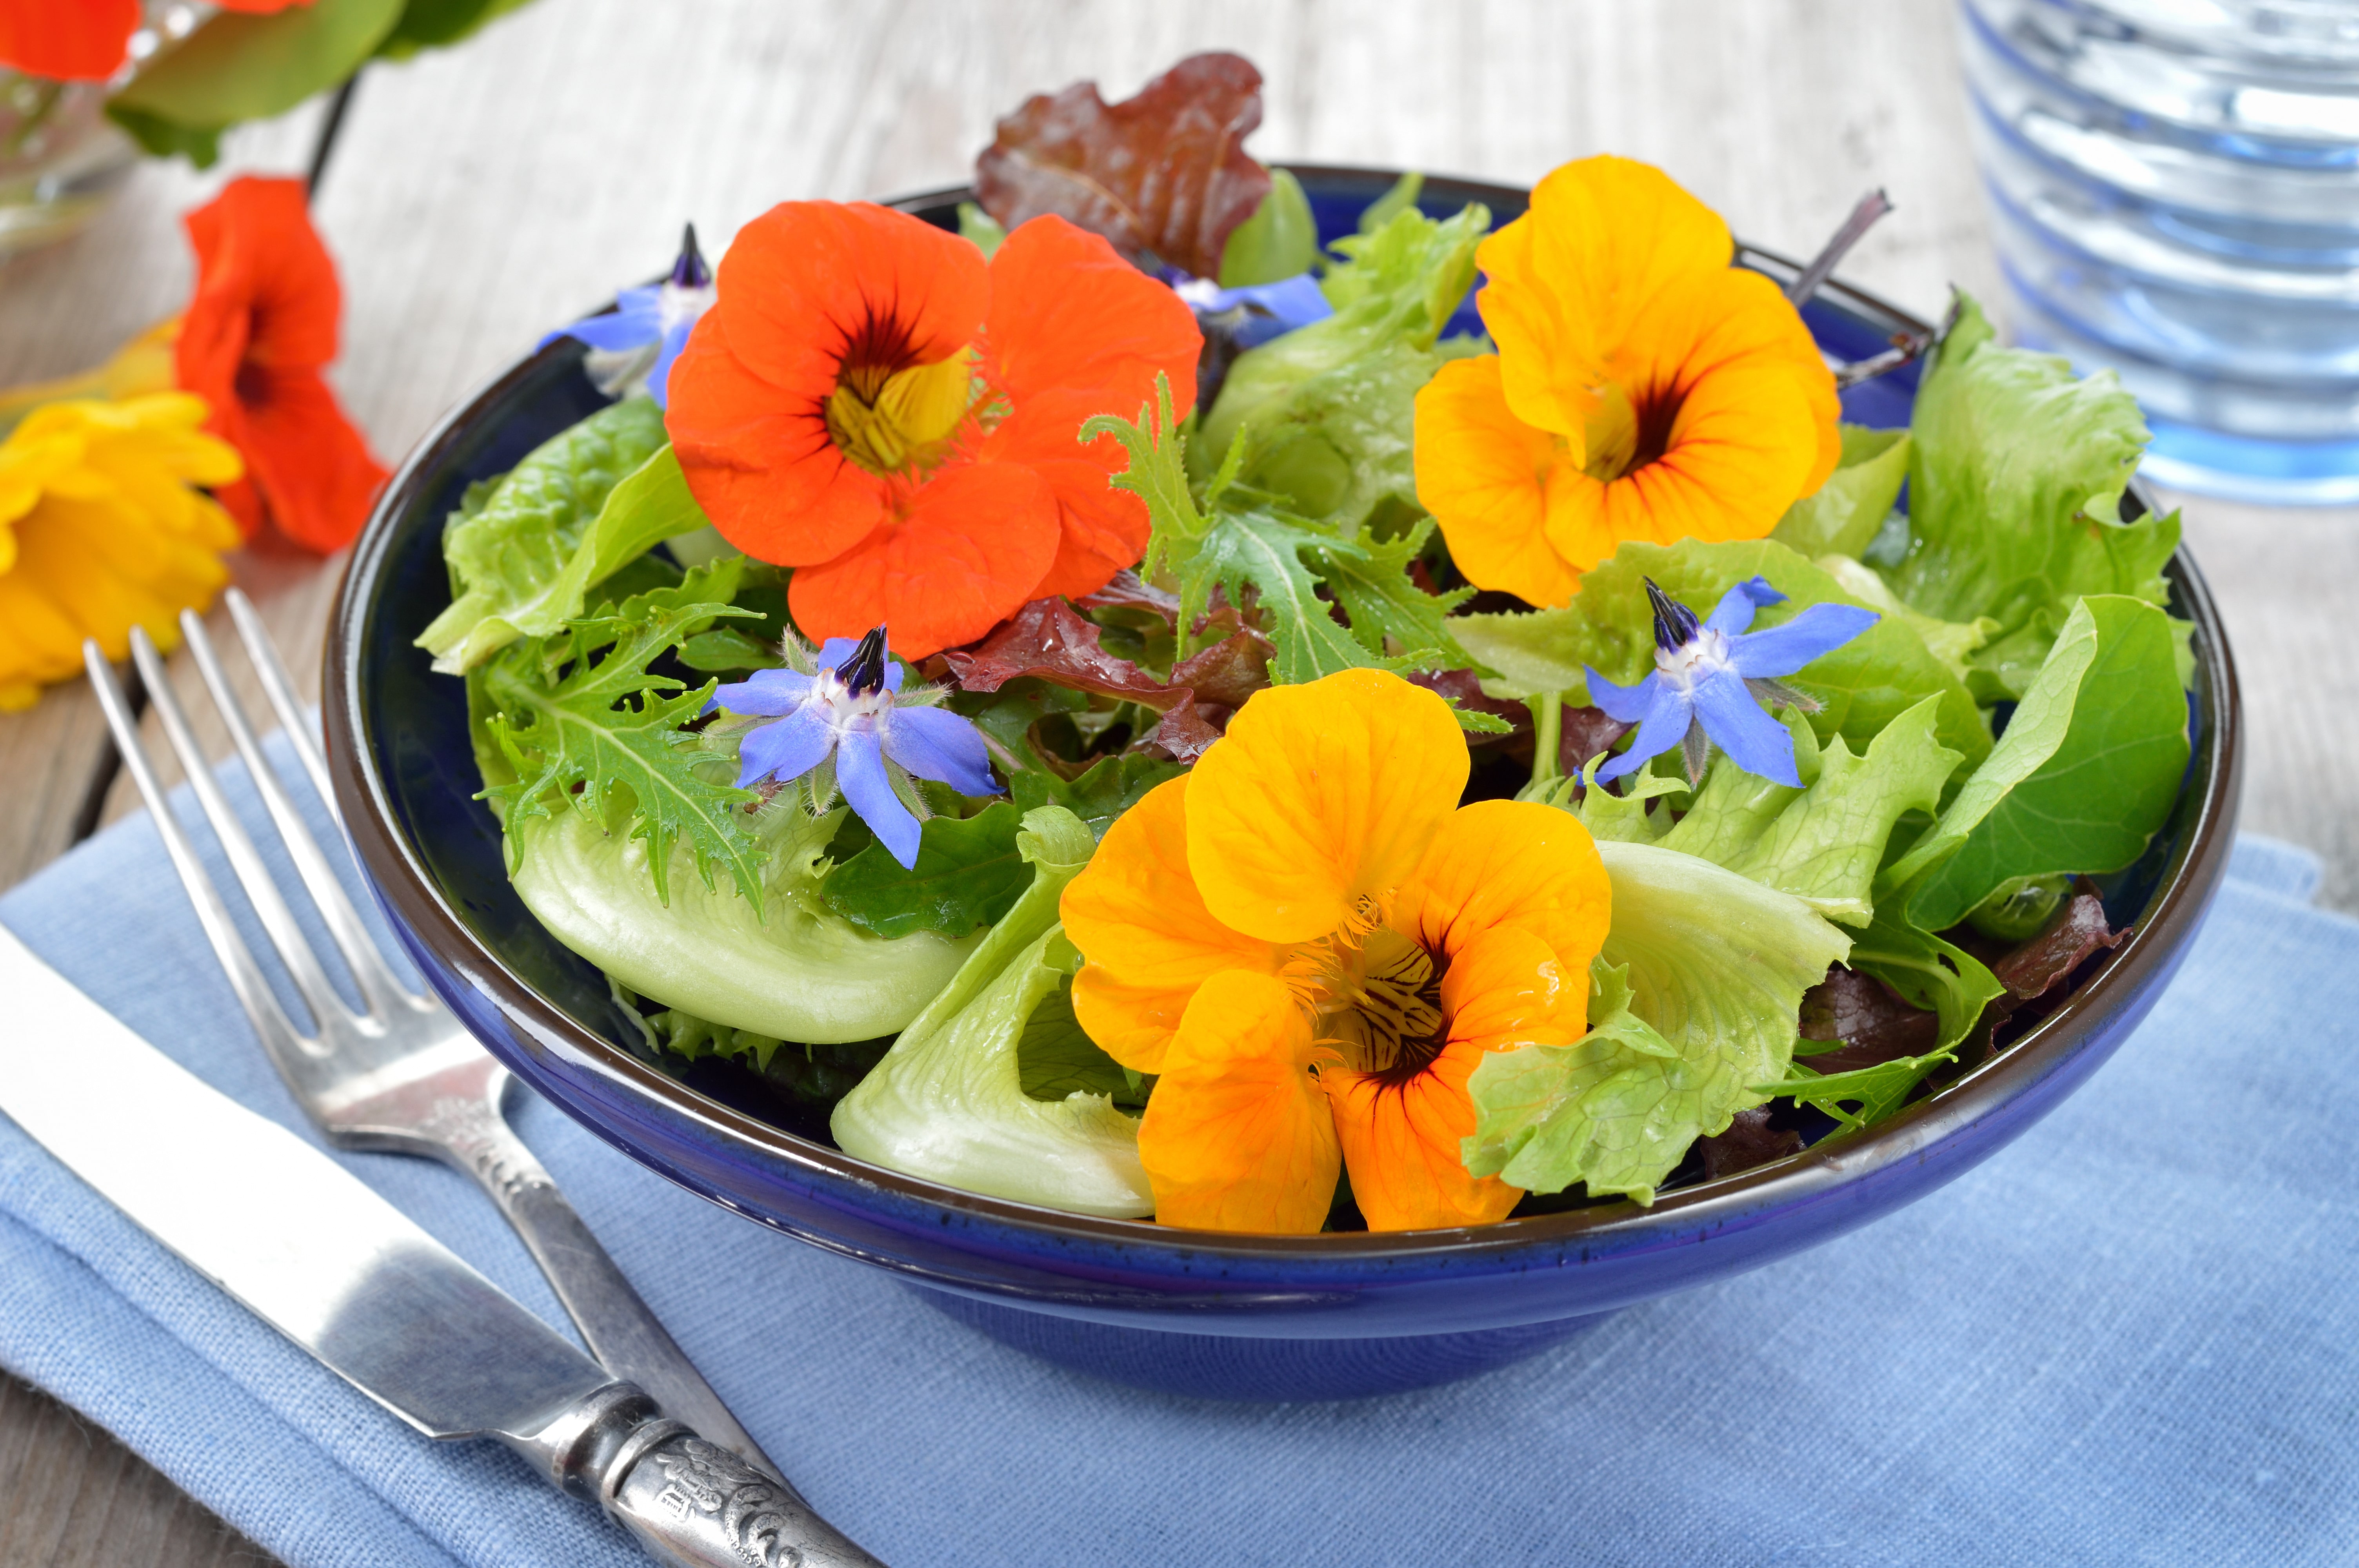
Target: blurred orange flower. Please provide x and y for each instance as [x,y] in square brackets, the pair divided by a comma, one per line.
[871,403]
[82,40]
[1313,945]
[1644,389]
[259,330]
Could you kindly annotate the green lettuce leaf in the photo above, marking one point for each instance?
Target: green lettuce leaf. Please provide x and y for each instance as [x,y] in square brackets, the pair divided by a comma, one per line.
[1693,1004]
[1953,642]
[1279,241]
[1822,843]
[948,1102]
[788,970]
[1326,410]
[1105,791]
[1844,513]
[2015,488]
[2084,775]
[1928,972]
[1865,684]
[1057,1059]
[507,558]
[968,874]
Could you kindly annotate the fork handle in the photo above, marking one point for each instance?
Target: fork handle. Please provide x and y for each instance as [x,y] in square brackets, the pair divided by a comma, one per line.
[621,1331]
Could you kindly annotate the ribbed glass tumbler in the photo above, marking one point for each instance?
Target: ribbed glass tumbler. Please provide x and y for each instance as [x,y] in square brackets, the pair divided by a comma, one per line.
[2175,190]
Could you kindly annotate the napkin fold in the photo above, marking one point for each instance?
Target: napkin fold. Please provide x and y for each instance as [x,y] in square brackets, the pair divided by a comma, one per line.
[2128,1337]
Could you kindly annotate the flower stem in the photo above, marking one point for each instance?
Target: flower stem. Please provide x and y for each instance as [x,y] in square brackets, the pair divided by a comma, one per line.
[1548,735]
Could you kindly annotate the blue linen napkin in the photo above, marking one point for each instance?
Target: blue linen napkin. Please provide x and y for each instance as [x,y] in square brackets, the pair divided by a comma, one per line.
[2129,1337]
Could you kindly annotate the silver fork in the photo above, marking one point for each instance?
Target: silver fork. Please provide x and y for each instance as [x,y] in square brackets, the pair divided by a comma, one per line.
[402,1075]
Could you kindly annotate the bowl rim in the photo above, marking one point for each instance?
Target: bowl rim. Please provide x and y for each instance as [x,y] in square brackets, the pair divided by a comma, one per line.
[1840,1159]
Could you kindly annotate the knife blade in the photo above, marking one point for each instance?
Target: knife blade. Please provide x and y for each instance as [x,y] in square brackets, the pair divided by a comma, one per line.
[316,1253]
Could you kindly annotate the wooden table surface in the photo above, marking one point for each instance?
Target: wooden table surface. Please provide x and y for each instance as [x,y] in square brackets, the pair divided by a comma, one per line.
[479,196]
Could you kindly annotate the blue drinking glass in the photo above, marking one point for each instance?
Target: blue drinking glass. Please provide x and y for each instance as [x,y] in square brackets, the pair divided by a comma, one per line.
[2174,186]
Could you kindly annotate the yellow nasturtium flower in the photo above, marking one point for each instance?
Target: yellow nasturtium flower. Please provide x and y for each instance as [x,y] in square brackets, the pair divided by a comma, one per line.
[1313,944]
[1644,389]
[102,528]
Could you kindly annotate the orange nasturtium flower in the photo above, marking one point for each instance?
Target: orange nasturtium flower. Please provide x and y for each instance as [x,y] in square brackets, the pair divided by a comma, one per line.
[1644,389]
[257,333]
[1313,944]
[102,528]
[872,404]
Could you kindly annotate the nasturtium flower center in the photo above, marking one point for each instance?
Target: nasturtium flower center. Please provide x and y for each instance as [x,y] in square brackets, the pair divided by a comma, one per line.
[1622,437]
[893,421]
[1374,997]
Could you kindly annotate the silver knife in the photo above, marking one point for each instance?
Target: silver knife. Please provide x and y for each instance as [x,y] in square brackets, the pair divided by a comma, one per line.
[312,1251]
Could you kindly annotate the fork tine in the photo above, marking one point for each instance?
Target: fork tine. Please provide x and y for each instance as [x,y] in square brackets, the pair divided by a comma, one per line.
[278,687]
[270,1020]
[311,982]
[360,956]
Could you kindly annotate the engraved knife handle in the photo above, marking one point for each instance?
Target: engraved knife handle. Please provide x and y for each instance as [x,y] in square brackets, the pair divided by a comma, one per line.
[696,1504]
[690,1503]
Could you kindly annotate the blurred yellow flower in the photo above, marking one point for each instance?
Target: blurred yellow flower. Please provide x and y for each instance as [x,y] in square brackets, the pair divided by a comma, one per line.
[142,366]
[102,528]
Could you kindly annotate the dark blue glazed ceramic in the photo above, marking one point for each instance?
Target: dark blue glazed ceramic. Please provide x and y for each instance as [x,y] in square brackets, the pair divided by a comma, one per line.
[1225,1316]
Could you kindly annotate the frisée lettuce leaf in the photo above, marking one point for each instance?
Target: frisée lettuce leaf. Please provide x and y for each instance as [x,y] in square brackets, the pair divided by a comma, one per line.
[948,1101]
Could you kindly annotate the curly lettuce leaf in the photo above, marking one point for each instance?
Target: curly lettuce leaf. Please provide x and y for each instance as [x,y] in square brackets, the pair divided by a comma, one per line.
[585,727]
[506,559]
[1693,1004]
[1952,642]
[948,1103]
[1843,516]
[2084,775]
[1822,843]
[1326,410]
[1865,684]
[2015,489]
[789,969]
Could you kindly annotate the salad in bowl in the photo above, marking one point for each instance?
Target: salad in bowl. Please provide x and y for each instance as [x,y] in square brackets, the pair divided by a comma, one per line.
[1093,712]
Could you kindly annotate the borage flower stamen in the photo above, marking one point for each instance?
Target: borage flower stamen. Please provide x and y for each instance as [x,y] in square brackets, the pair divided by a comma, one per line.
[842,723]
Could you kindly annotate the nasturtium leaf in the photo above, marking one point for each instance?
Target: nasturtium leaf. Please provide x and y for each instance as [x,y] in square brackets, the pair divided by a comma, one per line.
[1865,684]
[1163,176]
[2085,774]
[967,875]
[948,1101]
[438,23]
[1841,517]
[1279,242]
[507,556]
[1693,1002]
[240,66]
[2015,484]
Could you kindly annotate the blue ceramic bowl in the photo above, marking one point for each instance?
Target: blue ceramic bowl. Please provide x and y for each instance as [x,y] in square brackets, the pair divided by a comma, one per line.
[1232,1316]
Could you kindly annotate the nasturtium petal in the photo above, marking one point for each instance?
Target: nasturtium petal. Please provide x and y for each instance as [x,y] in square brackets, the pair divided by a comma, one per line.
[1150,942]
[1318,797]
[1401,1144]
[1508,986]
[1491,473]
[1512,864]
[1238,1135]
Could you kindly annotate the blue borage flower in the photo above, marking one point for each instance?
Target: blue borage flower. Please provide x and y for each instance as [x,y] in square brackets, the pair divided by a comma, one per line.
[841,722]
[1710,681]
[1270,310]
[648,328]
